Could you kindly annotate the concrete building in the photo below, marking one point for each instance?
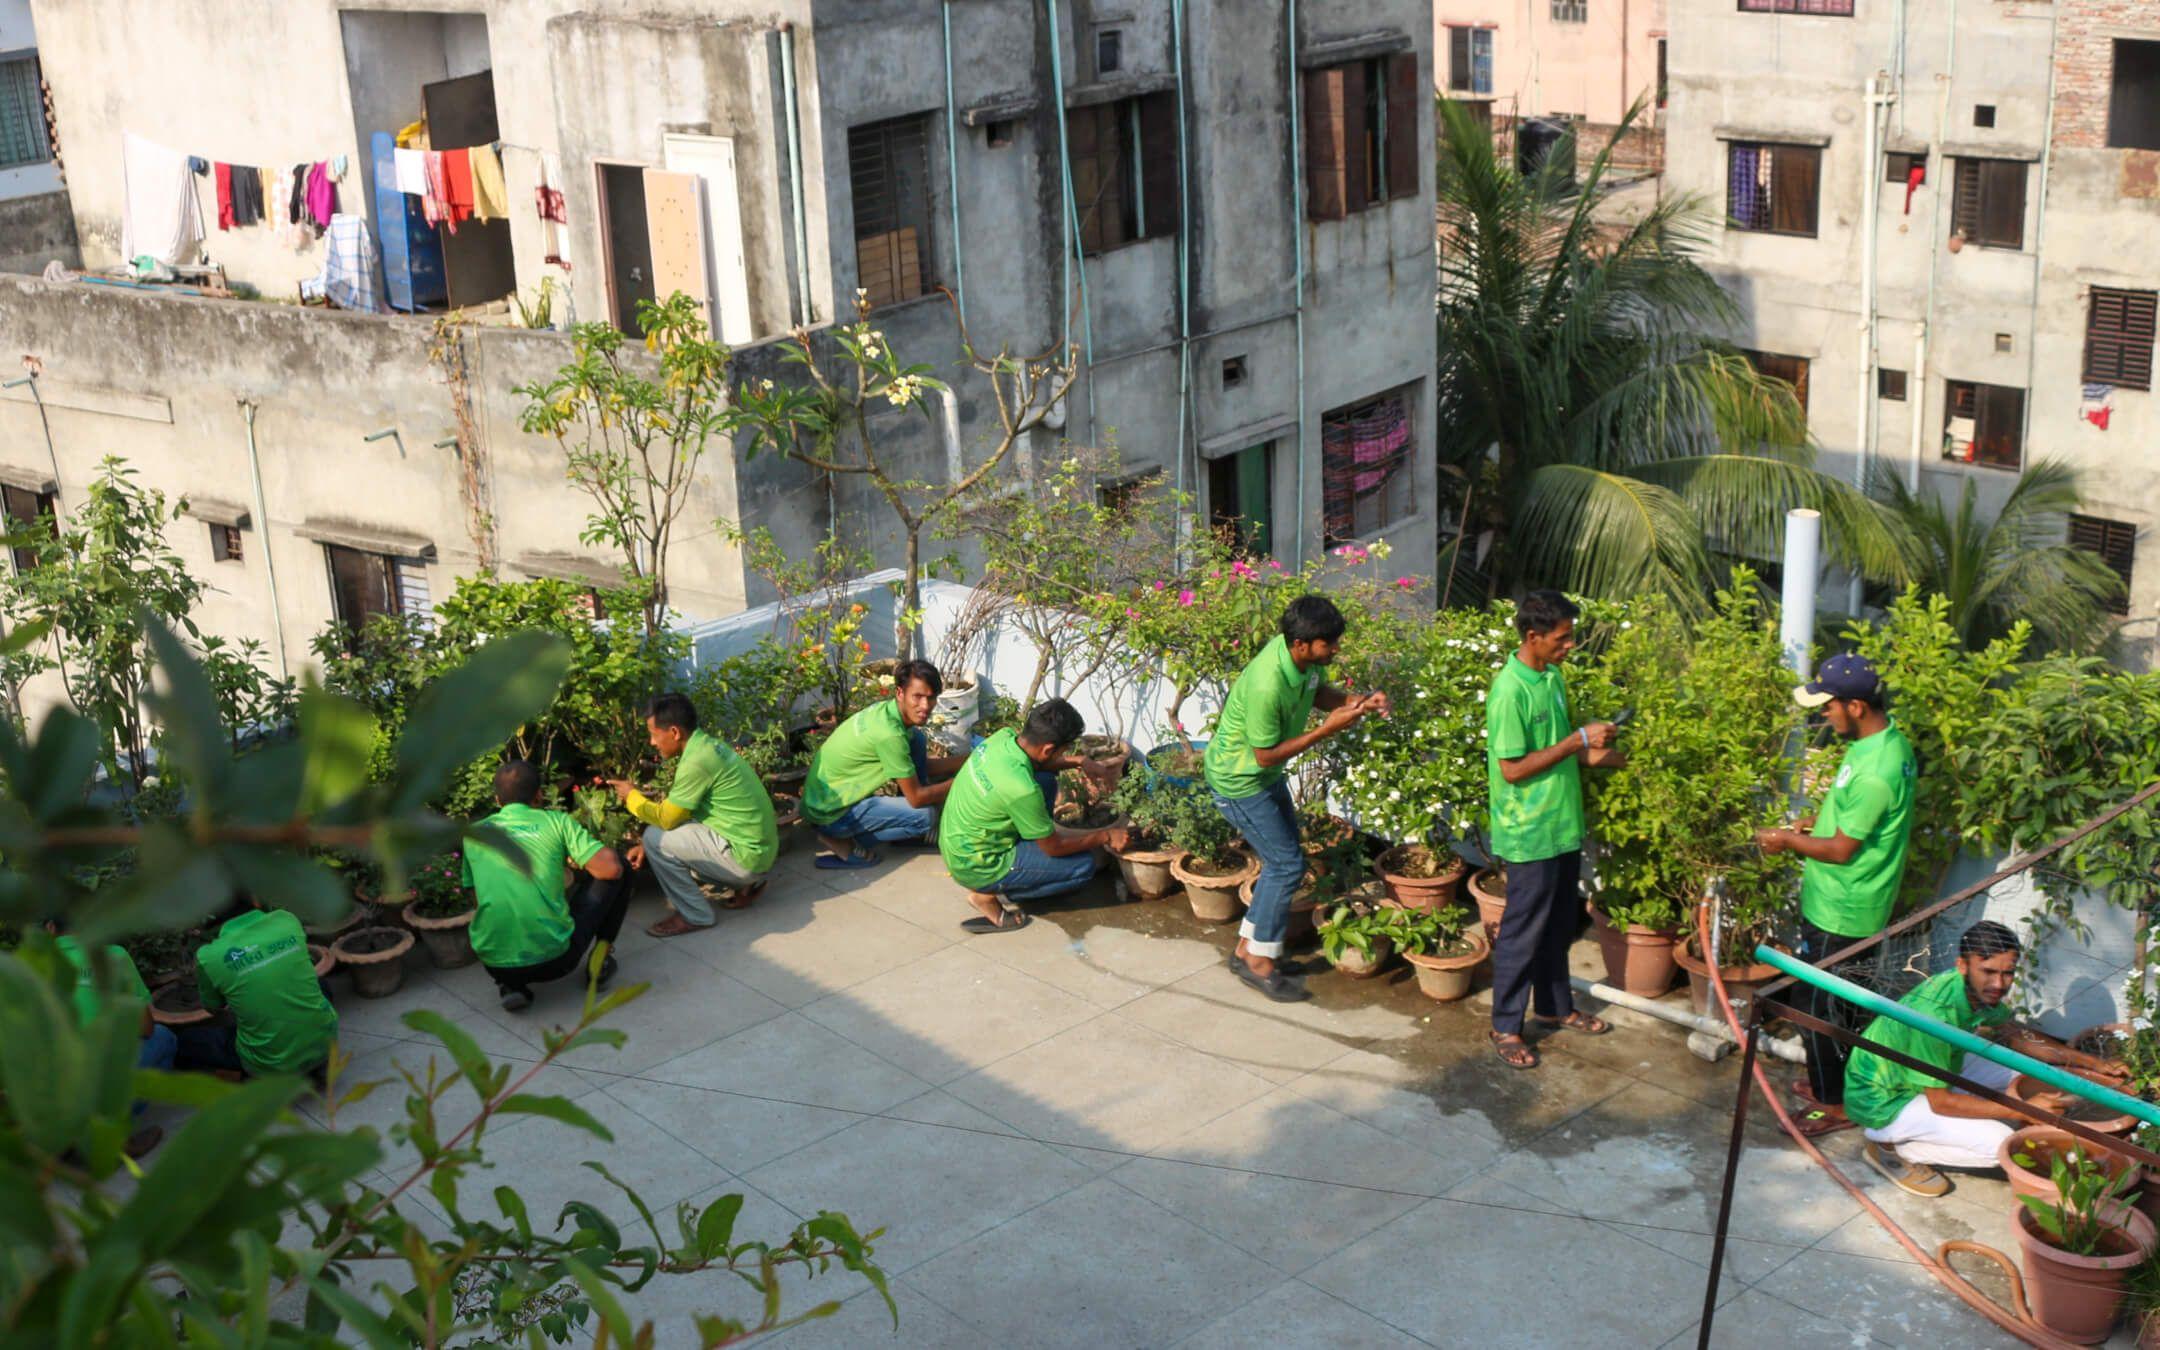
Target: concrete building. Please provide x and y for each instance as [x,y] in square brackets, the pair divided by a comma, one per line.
[1232,223]
[35,224]
[1584,60]
[1937,218]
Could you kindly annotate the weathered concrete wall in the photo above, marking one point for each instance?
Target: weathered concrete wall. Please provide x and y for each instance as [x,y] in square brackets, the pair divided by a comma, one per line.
[37,230]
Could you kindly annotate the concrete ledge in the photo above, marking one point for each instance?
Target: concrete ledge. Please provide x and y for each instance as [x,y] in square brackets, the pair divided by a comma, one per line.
[1335,51]
[367,538]
[1770,137]
[215,511]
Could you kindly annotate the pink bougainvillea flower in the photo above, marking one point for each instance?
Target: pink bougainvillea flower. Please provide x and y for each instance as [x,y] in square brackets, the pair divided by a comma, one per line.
[1274,566]
[1405,582]
[1184,597]
[1158,585]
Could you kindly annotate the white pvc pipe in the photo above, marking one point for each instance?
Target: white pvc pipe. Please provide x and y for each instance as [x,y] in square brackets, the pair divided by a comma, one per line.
[1786,1049]
[1803,551]
[1916,394]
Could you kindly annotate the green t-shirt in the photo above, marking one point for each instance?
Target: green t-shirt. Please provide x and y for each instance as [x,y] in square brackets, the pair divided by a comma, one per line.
[863,754]
[89,999]
[1270,703]
[521,918]
[1540,817]
[994,804]
[258,965]
[721,793]
[1871,801]
[1876,1089]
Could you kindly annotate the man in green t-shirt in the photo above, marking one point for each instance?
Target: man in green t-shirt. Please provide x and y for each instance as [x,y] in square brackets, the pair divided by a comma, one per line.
[998,838]
[1533,754]
[1915,1122]
[715,828]
[884,743]
[1262,728]
[526,930]
[158,1043]
[1854,859]
[282,1022]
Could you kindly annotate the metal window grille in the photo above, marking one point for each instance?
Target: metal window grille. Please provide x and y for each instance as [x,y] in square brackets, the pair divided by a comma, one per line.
[1834,8]
[2115,543]
[22,114]
[1571,11]
[1364,458]
[889,181]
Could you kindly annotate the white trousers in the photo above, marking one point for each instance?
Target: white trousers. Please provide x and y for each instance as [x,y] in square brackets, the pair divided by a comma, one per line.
[1921,1135]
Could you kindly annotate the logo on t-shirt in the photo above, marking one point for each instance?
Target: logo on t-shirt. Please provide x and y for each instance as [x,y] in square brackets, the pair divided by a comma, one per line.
[247,958]
[1844,775]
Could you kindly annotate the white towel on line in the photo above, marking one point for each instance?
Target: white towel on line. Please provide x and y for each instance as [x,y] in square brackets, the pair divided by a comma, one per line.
[159,214]
[411,170]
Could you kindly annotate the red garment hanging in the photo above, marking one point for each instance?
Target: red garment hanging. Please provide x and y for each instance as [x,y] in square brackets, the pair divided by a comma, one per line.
[224,197]
[1914,177]
[457,174]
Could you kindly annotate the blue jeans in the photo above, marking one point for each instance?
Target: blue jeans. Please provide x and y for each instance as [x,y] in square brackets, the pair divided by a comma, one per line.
[1269,823]
[889,819]
[1034,874]
[156,1052]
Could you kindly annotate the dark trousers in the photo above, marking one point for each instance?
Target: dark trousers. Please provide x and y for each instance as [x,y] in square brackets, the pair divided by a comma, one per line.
[596,911]
[1530,956]
[1825,1054]
[214,1046]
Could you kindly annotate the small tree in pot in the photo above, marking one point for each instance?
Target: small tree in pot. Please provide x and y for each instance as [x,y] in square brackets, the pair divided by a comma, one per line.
[1211,863]
[441,912]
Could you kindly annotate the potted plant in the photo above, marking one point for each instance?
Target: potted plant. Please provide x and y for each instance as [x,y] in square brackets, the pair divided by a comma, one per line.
[325,960]
[1084,803]
[777,759]
[2141,1303]
[1419,876]
[2080,1247]
[1440,946]
[2090,1114]
[161,958]
[1144,863]
[441,912]
[1211,864]
[376,958]
[1353,933]
[2029,1155]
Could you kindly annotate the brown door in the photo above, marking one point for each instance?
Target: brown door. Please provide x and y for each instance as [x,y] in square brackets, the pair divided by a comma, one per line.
[477,263]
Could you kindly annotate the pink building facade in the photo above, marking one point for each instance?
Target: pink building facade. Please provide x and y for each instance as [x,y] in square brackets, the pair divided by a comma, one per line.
[1586,59]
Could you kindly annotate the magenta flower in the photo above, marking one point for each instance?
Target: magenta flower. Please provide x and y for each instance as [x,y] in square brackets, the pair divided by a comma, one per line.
[1158,585]
[1274,566]
[1184,597]
[1405,582]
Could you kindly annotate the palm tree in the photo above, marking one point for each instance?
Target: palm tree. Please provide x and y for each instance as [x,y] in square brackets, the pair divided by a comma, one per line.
[1610,443]
[2015,566]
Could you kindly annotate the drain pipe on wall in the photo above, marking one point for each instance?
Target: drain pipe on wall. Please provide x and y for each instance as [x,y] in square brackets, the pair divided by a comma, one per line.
[1936,166]
[2032,310]
[1876,100]
[804,312]
[1184,272]
[952,171]
[262,519]
[1071,253]
[1297,238]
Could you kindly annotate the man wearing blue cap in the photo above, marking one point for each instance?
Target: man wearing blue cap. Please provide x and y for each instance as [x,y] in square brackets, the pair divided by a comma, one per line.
[1854,857]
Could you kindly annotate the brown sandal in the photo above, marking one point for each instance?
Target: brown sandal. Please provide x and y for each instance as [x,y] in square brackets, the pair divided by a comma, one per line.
[1514,1051]
[674,925]
[1589,1024]
[741,899]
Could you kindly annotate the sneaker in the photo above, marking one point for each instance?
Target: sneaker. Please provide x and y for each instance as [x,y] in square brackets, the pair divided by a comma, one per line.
[1910,1177]
[516,1000]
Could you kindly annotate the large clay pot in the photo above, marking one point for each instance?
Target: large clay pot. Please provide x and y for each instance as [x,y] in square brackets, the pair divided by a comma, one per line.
[327,933]
[1427,893]
[2043,1143]
[2078,1297]
[1638,961]
[376,958]
[2023,1087]
[1741,981]
[1214,898]
[1185,777]
[178,1004]
[448,941]
[325,960]
[1447,978]
[1489,889]
[1144,873]
[787,782]
[1108,754]
[384,910]
[1359,966]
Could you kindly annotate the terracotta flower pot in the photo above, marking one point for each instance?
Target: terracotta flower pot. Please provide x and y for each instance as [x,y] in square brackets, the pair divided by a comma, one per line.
[1300,926]
[1447,978]
[376,958]
[327,933]
[2078,1297]
[1419,892]
[787,782]
[1637,960]
[1109,755]
[178,1004]
[386,910]
[1741,981]
[1489,889]
[1359,966]
[1213,896]
[2084,1113]
[2043,1143]
[325,960]
[787,814]
[448,941]
[1144,873]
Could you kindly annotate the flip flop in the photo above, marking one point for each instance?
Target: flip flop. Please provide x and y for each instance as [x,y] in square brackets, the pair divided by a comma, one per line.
[1518,1055]
[833,862]
[1818,1122]
[674,925]
[1010,921]
[1589,1024]
[1805,1091]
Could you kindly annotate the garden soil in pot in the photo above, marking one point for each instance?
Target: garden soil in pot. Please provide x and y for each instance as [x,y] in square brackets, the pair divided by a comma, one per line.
[2079,1297]
[1421,878]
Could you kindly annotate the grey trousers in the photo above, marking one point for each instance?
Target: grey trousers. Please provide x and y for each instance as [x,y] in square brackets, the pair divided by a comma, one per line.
[687,854]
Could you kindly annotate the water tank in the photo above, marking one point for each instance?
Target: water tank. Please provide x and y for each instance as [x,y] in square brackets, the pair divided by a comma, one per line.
[1536,138]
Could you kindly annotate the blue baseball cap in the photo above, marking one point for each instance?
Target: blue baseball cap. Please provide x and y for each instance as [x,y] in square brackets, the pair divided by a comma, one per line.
[1843,676]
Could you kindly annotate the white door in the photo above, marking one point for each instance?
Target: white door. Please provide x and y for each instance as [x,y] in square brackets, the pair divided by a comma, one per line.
[712,159]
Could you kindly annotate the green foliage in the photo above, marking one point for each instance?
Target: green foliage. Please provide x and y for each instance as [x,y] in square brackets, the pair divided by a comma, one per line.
[435,888]
[820,628]
[1335,854]
[1414,932]
[1184,815]
[2077,1219]
[743,699]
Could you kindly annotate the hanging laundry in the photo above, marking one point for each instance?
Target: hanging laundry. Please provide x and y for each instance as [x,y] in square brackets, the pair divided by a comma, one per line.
[266,181]
[247,197]
[223,175]
[296,209]
[322,200]
[1914,177]
[549,202]
[491,201]
[410,167]
[435,206]
[413,135]
[159,214]
[457,176]
[2097,404]
[349,278]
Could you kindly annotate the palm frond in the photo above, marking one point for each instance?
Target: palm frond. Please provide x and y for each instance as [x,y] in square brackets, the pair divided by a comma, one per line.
[1609,535]
[1741,502]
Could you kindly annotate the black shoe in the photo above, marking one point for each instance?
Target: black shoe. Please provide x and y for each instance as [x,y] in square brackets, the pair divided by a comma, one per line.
[1276,985]
[607,970]
[516,1000]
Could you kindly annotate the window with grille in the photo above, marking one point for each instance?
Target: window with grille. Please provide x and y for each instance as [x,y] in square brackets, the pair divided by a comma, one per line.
[1988,207]
[1840,9]
[22,114]
[889,180]
[1792,371]
[2115,543]
[1571,11]
[1773,189]
[1470,60]
[1361,134]
[225,543]
[1124,167]
[364,584]
[1983,424]
[1365,468]
[29,513]
[2119,338]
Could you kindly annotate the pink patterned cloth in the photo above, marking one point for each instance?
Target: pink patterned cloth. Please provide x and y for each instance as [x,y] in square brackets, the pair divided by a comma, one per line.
[321,194]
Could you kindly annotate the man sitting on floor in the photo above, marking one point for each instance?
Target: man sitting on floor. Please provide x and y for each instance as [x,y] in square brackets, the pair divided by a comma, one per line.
[258,966]
[524,929]
[998,838]
[1915,1122]
[715,826]
[884,743]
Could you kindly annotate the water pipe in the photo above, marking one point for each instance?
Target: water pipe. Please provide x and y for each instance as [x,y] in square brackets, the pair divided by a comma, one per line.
[1071,253]
[1790,1051]
[1866,404]
[390,432]
[1297,239]
[1869,1001]
[804,311]
[262,517]
[952,170]
[1184,274]
[1938,167]
[2032,307]
[1796,601]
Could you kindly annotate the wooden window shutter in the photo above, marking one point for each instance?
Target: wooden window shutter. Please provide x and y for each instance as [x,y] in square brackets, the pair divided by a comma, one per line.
[1404,93]
[1085,146]
[1326,154]
[2119,338]
[1459,60]
[1159,162]
[1965,201]
[1360,157]
[1795,172]
[2115,543]
[1999,431]
[2002,204]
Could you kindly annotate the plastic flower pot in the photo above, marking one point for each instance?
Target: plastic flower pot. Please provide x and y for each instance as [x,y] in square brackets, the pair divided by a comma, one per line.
[1144,872]
[1637,960]
[1404,869]
[178,1004]
[961,699]
[448,940]
[376,958]
[1213,894]
[1489,889]
[1446,977]
[1741,981]
[2079,1297]
[2043,1144]
[1162,765]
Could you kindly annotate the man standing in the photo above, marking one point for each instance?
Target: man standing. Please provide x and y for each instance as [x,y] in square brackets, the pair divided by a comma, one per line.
[258,966]
[525,930]
[1533,757]
[1262,728]
[884,743]
[998,838]
[1853,859]
[1913,1121]
[715,825]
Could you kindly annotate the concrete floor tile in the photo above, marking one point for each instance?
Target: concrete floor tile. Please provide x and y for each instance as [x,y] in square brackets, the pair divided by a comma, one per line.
[1747,1320]
[1284,1134]
[735,1131]
[939,1107]
[1212,1010]
[928,1186]
[798,947]
[1895,1301]
[1098,1267]
[687,1006]
[544,1160]
[1295,1313]
[383,1017]
[1113,954]
[1397,1098]
[948,1013]
[864,1320]
[1286,1222]
[1622,1294]
[384,1106]
[791,1058]
[1108,1084]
